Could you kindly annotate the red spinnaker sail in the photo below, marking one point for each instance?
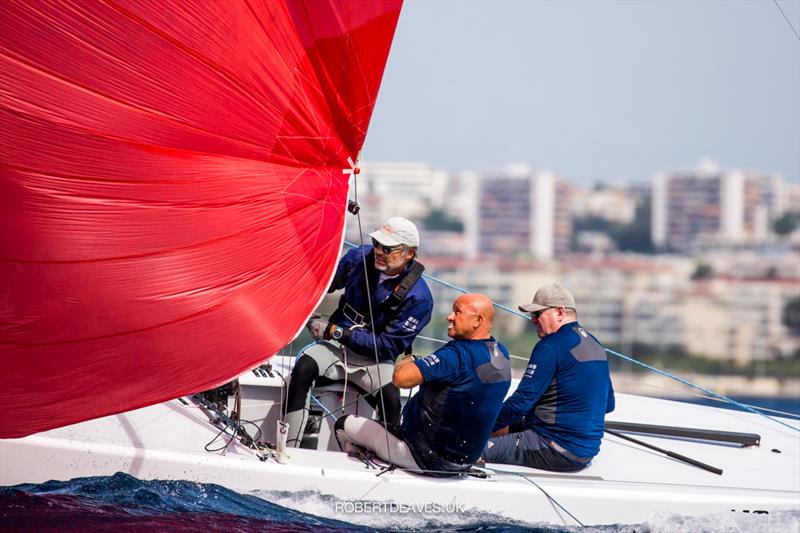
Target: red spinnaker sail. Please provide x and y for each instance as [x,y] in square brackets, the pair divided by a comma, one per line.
[171,190]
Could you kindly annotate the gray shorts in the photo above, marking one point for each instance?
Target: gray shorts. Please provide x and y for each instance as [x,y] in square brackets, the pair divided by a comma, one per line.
[338,363]
[528,448]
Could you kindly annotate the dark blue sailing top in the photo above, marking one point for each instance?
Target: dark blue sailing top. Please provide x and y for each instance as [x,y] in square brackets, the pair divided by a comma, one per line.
[452,413]
[565,391]
[395,331]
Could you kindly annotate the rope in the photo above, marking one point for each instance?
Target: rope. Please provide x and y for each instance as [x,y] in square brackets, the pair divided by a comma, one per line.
[722,399]
[450,285]
[371,317]
[529,480]
[631,359]
[704,396]
[526,478]
[698,387]
[432,339]
[786,19]
[328,412]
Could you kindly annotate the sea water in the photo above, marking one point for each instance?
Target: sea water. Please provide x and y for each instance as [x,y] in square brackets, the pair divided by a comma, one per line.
[124,503]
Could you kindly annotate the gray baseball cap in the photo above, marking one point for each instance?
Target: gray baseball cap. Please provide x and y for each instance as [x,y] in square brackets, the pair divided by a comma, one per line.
[547,296]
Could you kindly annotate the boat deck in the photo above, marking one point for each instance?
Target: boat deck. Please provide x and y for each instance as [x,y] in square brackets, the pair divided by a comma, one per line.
[625,483]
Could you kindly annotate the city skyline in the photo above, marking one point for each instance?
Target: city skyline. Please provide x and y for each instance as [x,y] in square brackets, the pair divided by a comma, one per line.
[594,91]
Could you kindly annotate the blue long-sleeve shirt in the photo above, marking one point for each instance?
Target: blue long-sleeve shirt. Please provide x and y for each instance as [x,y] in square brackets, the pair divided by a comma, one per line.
[565,392]
[394,331]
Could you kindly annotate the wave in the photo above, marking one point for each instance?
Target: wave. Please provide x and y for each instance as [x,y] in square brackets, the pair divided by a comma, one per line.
[124,503]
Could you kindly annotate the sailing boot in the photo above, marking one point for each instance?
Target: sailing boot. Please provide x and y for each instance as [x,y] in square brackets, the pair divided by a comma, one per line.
[298,398]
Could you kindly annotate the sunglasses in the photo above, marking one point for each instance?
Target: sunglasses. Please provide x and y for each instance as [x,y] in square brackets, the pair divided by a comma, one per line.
[386,249]
[536,314]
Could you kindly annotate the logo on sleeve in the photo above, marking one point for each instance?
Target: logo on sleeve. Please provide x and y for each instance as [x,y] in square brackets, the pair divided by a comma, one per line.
[430,360]
[411,324]
[530,370]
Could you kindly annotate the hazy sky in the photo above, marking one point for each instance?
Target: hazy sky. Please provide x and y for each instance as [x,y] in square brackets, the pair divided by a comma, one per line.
[596,90]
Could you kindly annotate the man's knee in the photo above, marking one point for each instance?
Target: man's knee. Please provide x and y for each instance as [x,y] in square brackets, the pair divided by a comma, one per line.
[305,371]
[346,442]
[339,425]
[391,393]
[303,375]
[387,402]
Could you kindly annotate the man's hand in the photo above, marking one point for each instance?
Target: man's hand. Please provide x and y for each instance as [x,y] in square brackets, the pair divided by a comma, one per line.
[318,327]
[404,356]
[500,432]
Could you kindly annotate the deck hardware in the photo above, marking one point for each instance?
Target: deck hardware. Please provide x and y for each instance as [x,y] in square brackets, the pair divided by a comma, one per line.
[730,437]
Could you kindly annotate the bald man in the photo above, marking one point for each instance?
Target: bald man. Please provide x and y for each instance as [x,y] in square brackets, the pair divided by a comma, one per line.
[462,387]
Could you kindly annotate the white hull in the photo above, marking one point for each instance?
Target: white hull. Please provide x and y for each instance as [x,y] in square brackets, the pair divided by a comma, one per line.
[625,483]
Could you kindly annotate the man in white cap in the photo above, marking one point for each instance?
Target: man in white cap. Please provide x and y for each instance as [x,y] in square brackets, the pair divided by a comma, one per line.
[352,345]
[555,418]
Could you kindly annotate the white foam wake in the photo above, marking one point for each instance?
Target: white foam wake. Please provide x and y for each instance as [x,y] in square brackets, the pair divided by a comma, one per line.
[774,522]
[383,515]
[403,518]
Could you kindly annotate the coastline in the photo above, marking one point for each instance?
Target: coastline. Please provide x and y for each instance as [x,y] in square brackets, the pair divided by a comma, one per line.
[651,384]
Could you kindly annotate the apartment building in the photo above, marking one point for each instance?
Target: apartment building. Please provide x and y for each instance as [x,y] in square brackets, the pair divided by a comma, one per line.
[512,213]
[708,205]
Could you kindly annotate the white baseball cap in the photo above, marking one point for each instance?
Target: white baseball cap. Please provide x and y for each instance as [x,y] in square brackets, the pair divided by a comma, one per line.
[397,230]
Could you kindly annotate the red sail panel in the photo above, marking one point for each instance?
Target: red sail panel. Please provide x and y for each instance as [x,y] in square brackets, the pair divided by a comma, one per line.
[171,190]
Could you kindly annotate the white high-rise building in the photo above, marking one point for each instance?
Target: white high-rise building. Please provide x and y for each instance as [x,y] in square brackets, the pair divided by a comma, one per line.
[512,213]
[708,204]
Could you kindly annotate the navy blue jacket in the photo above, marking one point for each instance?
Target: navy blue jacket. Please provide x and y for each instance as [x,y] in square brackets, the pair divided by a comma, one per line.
[448,422]
[565,391]
[394,331]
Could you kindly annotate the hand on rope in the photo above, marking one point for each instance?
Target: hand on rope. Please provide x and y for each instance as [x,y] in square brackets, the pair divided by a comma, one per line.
[318,326]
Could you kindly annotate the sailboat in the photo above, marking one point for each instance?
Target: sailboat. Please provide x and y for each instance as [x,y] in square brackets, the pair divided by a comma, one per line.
[173,190]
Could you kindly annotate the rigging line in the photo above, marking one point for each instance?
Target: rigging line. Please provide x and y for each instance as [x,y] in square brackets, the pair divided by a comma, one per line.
[529,480]
[285,392]
[464,291]
[632,360]
[786,19]
[432,339]
[328,412]
[758,407]
[440,341]
[371,316]
[618,377]
[342,408]
[671,389]
[698,387]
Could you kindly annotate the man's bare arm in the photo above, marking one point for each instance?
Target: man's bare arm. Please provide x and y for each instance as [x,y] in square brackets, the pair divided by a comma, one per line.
[406,374]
